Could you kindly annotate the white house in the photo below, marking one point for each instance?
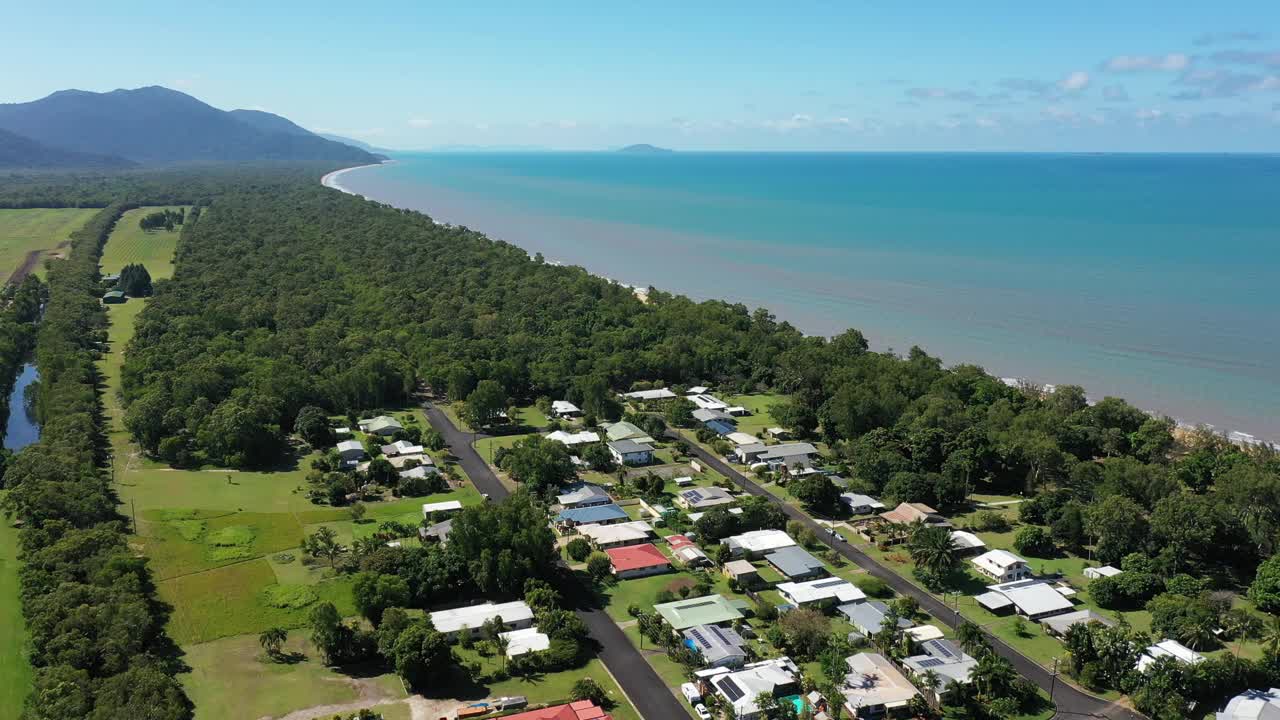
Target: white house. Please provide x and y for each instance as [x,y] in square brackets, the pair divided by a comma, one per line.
[875,687]
[740,688]
[708,402]
[1094,573]
[574,438]
[529,639]
[820,592]
[703,498]
[446,506]
[630,452]
[617,535]
[564,409]
[860,504]
[1035,599]
[1002,566]
[966,542]
[1253,705]
[515,615]
[402,447]
[1169,648]
[757,542]
[350,450]
[658,394]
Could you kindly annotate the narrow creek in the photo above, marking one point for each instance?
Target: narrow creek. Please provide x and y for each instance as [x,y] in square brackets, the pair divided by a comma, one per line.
[23,429]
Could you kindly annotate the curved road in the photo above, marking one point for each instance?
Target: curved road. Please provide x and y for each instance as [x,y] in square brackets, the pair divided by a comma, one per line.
[1071,701]
[647,692]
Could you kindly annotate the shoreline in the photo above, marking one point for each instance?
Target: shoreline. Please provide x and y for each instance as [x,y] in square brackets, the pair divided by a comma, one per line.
[1232,435]
[332,179]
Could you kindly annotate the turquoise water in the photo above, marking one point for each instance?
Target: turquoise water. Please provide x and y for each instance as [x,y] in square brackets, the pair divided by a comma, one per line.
[1152,277]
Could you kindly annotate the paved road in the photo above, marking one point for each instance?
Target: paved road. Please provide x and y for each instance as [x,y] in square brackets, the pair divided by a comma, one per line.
[1071,702]
[647,692]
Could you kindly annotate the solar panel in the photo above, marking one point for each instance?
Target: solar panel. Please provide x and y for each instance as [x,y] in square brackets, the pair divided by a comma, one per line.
[940,649]
[730,689]
[930,662]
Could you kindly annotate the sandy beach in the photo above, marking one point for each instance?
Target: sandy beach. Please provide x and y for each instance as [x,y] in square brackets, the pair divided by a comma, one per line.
[332,180]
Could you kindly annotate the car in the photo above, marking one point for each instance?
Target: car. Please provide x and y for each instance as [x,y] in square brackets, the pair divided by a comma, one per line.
[835,535]
[702,711]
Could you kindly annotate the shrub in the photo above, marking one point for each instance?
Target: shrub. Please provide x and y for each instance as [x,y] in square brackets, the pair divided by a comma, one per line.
[1033,540]
[990,521]
[1265,589]
[873,586]
[578,549]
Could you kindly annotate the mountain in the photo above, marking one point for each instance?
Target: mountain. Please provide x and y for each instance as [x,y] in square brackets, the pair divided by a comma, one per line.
[159,126]
[269,122]
[21,152]
[645,149]
[354,143]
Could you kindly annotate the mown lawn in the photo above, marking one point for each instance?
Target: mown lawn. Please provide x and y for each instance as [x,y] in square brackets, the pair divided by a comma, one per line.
[236,667]
[131,244]
[234,600]
[759,420]
[545,689]
[43,229]
[15,669]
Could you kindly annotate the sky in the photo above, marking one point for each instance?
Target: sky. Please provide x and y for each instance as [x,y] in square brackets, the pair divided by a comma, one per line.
[1186,76]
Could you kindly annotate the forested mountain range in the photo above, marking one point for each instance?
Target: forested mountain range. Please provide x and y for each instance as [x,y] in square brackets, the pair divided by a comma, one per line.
[159,126]
[17,151]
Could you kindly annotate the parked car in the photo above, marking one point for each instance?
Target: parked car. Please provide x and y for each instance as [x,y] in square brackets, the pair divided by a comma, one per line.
[702,711]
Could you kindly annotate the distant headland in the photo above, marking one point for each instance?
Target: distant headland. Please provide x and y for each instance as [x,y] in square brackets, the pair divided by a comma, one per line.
[645,149]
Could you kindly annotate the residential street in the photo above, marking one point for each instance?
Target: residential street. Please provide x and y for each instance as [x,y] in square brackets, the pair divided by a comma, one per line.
[1071,702]
[647,692]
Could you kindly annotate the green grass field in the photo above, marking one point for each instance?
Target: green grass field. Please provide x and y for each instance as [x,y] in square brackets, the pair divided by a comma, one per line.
[131,244]
[44,229]
[15,670]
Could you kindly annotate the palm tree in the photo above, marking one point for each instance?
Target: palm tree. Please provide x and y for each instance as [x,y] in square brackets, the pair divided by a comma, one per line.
[1270,635]
[992,674]
[930,679]
[500,645]
[272,639]
[971,638]
[933,550]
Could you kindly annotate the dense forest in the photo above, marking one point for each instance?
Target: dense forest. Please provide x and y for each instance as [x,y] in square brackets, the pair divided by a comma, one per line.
[97,631]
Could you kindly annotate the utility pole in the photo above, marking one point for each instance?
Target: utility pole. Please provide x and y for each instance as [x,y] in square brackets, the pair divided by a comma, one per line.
[1053,683]
[133,505]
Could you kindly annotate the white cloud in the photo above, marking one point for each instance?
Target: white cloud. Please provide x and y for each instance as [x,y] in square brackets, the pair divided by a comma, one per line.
[1132,63]
[1077,80]
[1115,93]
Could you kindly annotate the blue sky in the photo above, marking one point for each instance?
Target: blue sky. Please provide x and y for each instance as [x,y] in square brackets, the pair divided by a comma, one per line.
[1184,76]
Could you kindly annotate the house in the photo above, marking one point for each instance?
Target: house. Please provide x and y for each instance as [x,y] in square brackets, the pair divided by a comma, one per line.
[695,516]
[966,542]
[720,646]
[626,431]
[860,504]
[908,513]
[351,451]
[1169,648]
[748,454]
[646,395]
[708,402]
[756,543]
[111,278]
[795,563]
[420,471]
[705,610]
[565,409]
[789,455]
[1035,599]
[1002,566]
[737,411]
[1094,573]
[529,639]
[448,506]
[573,439]
[705,416]
[438,532]
[922,633]
[948,662]
[875,688]
[381,425]
[402,447]
[114,297]
[583,495]
[618,535]
[1253,705]
[1058,625]
[721,427]
[635,561]
[580,710]
[515,615]
[869,617]
[684,550]
[596,514]
[741,438]
[696,390]
[778,433]
[630,452]
[826,591]
[740,688]
[742,571]
[703,498]
[400,461]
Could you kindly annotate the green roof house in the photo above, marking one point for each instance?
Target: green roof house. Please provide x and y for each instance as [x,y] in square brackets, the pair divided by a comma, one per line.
[381,425]
[705,610]
[115,297]
[626,431]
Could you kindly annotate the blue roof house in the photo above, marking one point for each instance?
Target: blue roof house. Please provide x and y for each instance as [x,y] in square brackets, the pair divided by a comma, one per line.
[597,514]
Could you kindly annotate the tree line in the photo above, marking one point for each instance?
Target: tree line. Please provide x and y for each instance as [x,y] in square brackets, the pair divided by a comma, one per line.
[96,628]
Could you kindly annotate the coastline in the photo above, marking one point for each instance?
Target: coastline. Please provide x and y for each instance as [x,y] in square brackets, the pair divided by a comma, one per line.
[332,180]
[1228,431]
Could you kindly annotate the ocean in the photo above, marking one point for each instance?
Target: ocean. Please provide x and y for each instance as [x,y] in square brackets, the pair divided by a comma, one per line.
[1151,277]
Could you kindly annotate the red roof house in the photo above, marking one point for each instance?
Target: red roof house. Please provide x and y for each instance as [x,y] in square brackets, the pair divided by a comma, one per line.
[581,710]
[679,541]
[638,561]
